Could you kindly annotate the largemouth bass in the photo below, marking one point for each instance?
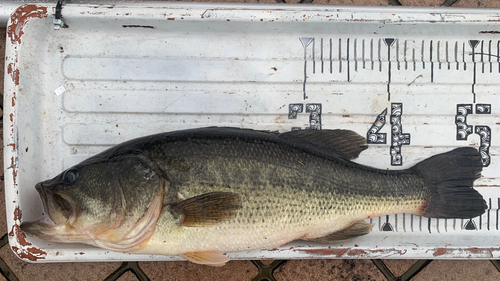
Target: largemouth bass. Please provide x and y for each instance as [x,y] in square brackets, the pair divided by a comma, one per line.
[204,192]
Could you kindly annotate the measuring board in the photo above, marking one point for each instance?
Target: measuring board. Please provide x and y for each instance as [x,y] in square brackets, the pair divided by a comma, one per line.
[415,82]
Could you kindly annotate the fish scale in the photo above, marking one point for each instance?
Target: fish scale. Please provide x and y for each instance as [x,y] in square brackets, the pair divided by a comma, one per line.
[259,170]
[219,190]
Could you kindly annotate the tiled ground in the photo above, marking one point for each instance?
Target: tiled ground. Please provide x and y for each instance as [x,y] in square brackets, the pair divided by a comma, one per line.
[12,268]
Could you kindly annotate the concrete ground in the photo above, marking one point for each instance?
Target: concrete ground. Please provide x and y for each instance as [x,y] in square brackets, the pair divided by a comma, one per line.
[12,268]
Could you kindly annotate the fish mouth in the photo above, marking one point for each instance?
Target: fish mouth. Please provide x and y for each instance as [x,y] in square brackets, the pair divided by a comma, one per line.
[58,207]
[56,225]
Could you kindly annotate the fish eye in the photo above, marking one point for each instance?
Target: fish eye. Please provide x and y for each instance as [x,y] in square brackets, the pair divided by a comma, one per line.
[70,176]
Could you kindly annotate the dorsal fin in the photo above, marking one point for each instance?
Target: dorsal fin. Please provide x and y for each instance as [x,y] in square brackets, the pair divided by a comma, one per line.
[348,143]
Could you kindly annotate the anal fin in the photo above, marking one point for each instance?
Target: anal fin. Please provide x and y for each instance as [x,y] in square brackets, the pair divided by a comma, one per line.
[356,229]
[212,258]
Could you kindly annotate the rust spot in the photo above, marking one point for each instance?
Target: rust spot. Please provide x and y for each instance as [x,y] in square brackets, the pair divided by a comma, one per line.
[357,252]
[21,237]
[228,20]
[442,251]
[203,15]
[481,251]
[14,100]
[336,252]
[13,145]
[19,19]
[11,117]
[25,252]
[170,18]
[13,72]
[427,146]
[345,115]
[498,123]
[14,176]
[31,253]
[389,251]
[17,214]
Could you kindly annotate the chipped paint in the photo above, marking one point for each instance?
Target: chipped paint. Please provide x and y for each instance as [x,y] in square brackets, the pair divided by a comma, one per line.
[336,252]
[25,252]
[14,73]
[20,17]
[442,251]
[357,252]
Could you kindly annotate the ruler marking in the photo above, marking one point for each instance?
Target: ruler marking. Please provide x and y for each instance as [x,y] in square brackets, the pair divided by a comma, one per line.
[371,52]
[355,54]
[322,61]
[404,222]
[363,46]
[396,222]
[498,209]
[331,58]
[411,223]
[340,55]
[437,225]
[480,222]
[463,56]
[438,54]
[305,42]
[482,56]
[456,53]
[389,42]
[405,48]
[473,44]
[397,55]
[422,54]
[379,56]
[489,209]
[314,56]
[348,64]
[489,57]
[432,63]
[447,56]
[413,57]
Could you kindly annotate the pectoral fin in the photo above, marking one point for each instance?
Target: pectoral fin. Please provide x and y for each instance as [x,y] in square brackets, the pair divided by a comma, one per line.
[208,209]
[212,258]
[356,229]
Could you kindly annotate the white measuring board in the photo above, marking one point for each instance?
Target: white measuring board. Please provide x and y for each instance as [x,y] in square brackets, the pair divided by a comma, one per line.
[414,81]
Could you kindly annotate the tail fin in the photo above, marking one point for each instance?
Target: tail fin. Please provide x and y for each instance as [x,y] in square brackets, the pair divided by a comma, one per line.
[451,177]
